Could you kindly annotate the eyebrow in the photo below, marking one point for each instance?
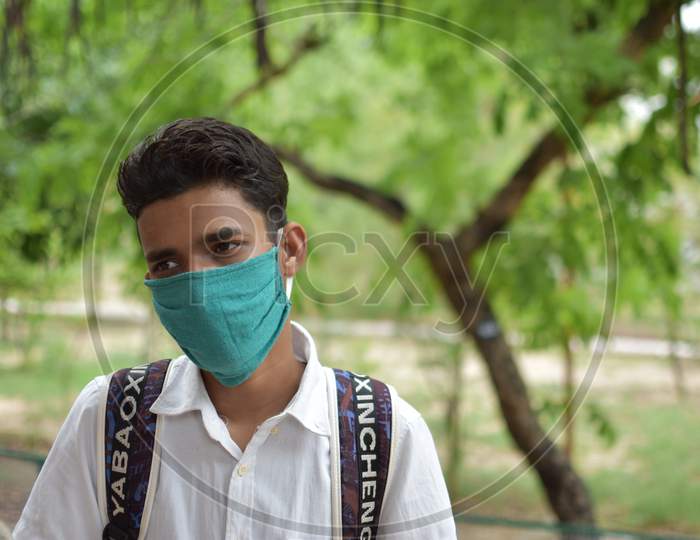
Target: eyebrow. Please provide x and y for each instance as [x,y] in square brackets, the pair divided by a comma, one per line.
[223,234]
[158,254]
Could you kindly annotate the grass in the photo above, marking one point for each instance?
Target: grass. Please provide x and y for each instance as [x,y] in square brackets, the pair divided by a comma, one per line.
[655,487]
[662,490]
[648,479]
[57,373]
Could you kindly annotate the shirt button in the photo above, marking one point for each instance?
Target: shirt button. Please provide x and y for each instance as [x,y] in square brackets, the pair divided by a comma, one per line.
[242,469]
[274,430]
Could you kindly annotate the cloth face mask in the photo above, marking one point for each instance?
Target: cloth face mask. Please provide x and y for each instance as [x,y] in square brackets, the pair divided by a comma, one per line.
[225,319]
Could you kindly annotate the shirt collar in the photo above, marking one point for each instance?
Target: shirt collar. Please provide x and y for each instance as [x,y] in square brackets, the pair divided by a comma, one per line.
[184,388]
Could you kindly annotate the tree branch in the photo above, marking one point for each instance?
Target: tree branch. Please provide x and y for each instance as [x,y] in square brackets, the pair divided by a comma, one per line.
[307,43]
[648,29]
[260,22]
[682,91]
[496,214]
[553,145]
[392,207]
[74,18]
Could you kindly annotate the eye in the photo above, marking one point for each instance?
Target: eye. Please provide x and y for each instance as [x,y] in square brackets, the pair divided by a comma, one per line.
[226,248]
[164,266]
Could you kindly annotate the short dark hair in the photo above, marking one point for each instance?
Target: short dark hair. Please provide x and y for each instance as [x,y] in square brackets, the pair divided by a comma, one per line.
[192,152]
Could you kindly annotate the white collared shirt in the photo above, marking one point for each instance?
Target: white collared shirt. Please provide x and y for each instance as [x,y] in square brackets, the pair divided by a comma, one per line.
[279,487]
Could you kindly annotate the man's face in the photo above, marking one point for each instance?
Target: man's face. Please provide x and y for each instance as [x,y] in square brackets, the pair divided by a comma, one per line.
[204,227]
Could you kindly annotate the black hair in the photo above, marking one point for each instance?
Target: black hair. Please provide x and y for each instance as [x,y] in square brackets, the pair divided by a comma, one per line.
[192,152]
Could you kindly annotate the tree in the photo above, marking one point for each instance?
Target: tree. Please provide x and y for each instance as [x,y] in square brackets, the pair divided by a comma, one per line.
[566,492]
[442,136]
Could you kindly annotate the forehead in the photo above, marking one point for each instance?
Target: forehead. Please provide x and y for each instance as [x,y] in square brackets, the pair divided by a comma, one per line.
[198,211]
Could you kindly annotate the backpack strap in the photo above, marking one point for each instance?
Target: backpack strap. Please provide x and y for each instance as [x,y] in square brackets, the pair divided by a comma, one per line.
[362,431]
[129,443]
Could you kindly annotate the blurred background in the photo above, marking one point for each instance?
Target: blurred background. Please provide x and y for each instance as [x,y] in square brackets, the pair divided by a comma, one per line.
[547,150]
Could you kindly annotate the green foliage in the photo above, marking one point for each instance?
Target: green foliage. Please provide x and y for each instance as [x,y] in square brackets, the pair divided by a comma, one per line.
[408,109]
[601,422]
[440,120]
[551,411]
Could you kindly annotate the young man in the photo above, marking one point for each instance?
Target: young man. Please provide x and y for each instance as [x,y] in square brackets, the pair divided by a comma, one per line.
[244,420]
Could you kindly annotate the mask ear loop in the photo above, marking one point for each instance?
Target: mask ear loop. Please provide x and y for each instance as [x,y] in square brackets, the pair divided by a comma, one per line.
[290,279]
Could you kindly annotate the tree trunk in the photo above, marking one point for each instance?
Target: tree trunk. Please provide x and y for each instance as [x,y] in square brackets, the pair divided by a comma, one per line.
[568,396]
[4,318]
[567,494]
[675,360]
[454,420]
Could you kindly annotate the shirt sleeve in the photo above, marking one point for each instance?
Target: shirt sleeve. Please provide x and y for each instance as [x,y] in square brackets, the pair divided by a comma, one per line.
[63,502]
[416,504]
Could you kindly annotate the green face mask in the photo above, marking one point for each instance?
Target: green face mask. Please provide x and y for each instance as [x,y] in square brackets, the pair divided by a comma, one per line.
[225,319]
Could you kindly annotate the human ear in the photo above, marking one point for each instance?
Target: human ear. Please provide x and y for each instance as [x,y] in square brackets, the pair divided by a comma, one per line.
[293,248]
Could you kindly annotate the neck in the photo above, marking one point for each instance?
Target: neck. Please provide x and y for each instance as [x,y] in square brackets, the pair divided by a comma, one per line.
[267,391]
